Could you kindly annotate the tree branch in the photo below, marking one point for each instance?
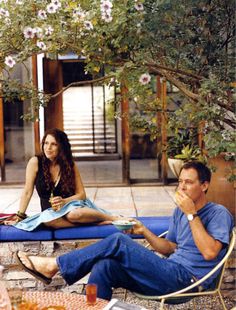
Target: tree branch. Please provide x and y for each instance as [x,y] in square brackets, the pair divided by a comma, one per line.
[181,86]
[182,72]
[82,83]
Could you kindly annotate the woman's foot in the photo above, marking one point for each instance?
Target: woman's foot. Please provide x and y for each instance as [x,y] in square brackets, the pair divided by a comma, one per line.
[111,219]
[43,268]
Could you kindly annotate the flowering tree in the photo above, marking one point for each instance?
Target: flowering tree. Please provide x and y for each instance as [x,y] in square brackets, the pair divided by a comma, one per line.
[187,42]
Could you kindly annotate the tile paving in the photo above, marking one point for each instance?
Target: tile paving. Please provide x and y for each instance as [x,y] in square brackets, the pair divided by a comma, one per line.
[126,200]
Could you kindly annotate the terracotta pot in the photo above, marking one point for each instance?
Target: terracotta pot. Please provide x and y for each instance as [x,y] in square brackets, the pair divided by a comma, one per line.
[221,190]
[175,165]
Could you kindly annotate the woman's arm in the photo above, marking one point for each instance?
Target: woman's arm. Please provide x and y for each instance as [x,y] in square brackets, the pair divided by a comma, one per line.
[31,172]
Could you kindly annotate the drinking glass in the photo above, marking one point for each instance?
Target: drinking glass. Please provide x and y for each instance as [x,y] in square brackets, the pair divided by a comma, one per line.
[15,295]
[91,293]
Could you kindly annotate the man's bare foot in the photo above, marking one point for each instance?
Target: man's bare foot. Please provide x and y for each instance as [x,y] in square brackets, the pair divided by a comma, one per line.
[43,268]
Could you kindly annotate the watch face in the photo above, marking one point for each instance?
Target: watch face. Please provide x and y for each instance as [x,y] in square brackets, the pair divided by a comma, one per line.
[190,217]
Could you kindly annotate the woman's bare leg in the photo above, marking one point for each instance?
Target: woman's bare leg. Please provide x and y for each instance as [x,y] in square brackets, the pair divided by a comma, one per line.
[62,222]
[87,215]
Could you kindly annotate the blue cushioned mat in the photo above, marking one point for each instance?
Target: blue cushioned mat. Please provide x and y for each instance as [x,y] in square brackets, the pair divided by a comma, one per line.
[10,233]
[156,224]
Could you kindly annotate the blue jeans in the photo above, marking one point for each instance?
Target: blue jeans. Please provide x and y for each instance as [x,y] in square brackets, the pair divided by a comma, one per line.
[118,261]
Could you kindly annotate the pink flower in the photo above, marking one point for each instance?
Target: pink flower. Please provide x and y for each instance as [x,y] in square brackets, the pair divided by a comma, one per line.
[41,45]
[42,14]
[106,6]
[88,25]
[29,33]
[49,30]
[139,6]
[56,3]
[52,8]
[106,17]
[78,13]
[145,79]
[10,62]
[4,12]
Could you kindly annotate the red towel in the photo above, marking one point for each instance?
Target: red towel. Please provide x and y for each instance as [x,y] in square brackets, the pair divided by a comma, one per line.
[6,216]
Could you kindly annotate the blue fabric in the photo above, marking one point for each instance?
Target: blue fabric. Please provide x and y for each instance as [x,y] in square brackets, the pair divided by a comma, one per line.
[156,224]
[32,222]
[118,261]
[217,221]
[10,233]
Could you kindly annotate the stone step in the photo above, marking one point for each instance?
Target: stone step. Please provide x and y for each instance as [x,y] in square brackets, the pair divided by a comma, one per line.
[89,134]
[76,129]
[97,140]
[83,114]
[78,146]
[87,156]
[89,149]
[89,138]
[90,143]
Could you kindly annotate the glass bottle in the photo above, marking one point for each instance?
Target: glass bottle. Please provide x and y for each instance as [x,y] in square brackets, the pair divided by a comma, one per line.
[5,303]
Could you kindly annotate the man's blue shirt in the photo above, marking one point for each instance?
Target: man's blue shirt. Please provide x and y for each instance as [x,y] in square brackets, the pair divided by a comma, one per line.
[217,221]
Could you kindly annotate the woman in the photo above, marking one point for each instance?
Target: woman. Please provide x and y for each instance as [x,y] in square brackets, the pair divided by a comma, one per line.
[60,188]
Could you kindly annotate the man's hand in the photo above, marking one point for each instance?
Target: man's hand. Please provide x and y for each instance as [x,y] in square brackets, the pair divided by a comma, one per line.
[137,229]
[185,203]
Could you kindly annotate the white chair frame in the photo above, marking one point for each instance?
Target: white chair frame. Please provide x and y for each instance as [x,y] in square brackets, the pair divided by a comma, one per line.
[185,292]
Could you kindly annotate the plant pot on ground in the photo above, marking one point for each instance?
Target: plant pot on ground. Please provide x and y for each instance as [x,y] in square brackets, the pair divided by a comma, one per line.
[174,147]
[188,153]
[175,166]
[222,190]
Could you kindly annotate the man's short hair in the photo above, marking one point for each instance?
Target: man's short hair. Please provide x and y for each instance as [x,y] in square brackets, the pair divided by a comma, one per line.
[204,173]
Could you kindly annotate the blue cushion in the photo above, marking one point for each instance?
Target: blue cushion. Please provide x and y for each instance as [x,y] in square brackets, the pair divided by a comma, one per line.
[10,233]
[156,224]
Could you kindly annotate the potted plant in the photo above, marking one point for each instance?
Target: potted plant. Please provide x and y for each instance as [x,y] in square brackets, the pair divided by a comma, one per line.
[188,153]
[174,147]
[182,146]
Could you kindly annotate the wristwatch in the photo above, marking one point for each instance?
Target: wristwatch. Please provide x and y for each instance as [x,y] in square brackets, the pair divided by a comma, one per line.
[191,217]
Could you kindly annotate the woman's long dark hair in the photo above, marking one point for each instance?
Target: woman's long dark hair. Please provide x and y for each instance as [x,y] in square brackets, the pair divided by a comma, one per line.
[64,160]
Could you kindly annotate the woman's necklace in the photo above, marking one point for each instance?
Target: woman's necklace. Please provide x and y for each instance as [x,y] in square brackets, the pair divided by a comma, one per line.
[55,183]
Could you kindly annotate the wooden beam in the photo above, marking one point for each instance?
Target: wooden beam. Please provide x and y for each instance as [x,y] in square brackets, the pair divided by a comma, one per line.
[53,83]
[164,163]
[200,135]
[2,143]
[125,135]
[36,123]
[158,121]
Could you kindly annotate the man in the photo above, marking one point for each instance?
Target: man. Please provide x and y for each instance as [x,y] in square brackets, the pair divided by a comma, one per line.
[196,241]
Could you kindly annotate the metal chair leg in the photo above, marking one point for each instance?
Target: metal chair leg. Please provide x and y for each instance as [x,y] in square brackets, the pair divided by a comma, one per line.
[162,307]
[125,294]
[222,300]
